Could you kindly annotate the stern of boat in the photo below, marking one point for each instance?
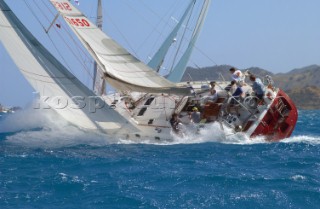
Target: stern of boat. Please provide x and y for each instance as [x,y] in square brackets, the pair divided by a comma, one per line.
[280,119]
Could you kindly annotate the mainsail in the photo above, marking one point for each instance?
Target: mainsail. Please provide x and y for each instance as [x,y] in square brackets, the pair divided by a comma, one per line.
[99,84]
[121,69]
[54,82]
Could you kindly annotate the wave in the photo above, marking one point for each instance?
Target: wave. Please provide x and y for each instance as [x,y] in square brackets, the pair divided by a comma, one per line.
[35,128]
[312,140]
[59,134]
[71,136]
[31,127]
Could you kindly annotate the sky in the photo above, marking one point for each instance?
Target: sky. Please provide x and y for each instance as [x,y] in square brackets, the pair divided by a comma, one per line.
[276,35]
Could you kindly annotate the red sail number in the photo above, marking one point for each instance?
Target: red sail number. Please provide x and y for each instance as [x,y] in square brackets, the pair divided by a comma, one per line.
[78,22]
[62,6]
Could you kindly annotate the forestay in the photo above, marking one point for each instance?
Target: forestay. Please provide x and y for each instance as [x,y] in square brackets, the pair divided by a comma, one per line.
[122,70]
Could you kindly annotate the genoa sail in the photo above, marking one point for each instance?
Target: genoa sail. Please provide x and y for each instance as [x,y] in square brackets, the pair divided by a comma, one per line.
[54,82]
[157,60]
[178,71]
[121,69]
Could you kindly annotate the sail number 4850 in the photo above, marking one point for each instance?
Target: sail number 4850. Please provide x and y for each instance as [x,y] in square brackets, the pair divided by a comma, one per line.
[78,22]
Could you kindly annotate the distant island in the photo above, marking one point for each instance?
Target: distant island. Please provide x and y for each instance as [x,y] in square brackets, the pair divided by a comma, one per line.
[302,85]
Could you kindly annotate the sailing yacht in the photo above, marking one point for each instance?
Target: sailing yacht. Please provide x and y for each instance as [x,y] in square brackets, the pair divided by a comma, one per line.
[145,101]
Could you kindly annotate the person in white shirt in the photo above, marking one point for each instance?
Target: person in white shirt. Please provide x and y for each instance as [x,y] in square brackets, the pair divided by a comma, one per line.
[213,96]
[236,75]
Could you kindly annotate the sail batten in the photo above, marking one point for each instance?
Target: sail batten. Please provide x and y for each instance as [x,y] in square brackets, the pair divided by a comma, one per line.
[113,59]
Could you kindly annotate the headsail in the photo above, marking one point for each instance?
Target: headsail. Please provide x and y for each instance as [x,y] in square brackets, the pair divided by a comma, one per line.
[53,81]
[179,69]
[121,69]
[157,60]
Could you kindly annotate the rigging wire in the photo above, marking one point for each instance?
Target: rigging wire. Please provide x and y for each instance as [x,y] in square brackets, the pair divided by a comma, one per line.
[183,40]
[184,32]
[156,29]
[121,34]
[50,38]
[79,47]
[34,15]
[204,54]
[196,48]
[48,34]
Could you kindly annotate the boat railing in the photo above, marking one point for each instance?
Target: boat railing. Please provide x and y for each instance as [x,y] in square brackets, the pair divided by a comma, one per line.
[240,102]
[282,108]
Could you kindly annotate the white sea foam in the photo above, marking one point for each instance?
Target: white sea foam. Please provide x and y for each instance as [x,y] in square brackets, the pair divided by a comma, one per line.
[25,120]
[36,128]
[312,140]
[298,178]
[47,129]
[211,133]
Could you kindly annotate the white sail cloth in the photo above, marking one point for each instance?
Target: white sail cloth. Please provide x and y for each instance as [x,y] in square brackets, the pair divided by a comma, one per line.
[54,82]
[177,73]
[123,70]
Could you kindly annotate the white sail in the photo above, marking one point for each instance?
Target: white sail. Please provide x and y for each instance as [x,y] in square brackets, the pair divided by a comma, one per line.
[54,82]
[180,68]
[122,70]
[99,84]
[157,60]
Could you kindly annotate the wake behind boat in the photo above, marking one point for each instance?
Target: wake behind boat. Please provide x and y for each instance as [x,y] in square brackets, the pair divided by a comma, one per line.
[146,105]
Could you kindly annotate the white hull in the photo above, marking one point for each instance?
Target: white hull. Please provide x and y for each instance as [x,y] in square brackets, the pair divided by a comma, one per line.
[152,113]
[273,118]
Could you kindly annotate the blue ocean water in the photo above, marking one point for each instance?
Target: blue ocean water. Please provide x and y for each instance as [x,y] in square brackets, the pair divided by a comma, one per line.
[45,163]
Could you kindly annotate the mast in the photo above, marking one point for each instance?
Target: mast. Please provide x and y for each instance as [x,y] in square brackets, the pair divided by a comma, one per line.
[99,22]
[180,68]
